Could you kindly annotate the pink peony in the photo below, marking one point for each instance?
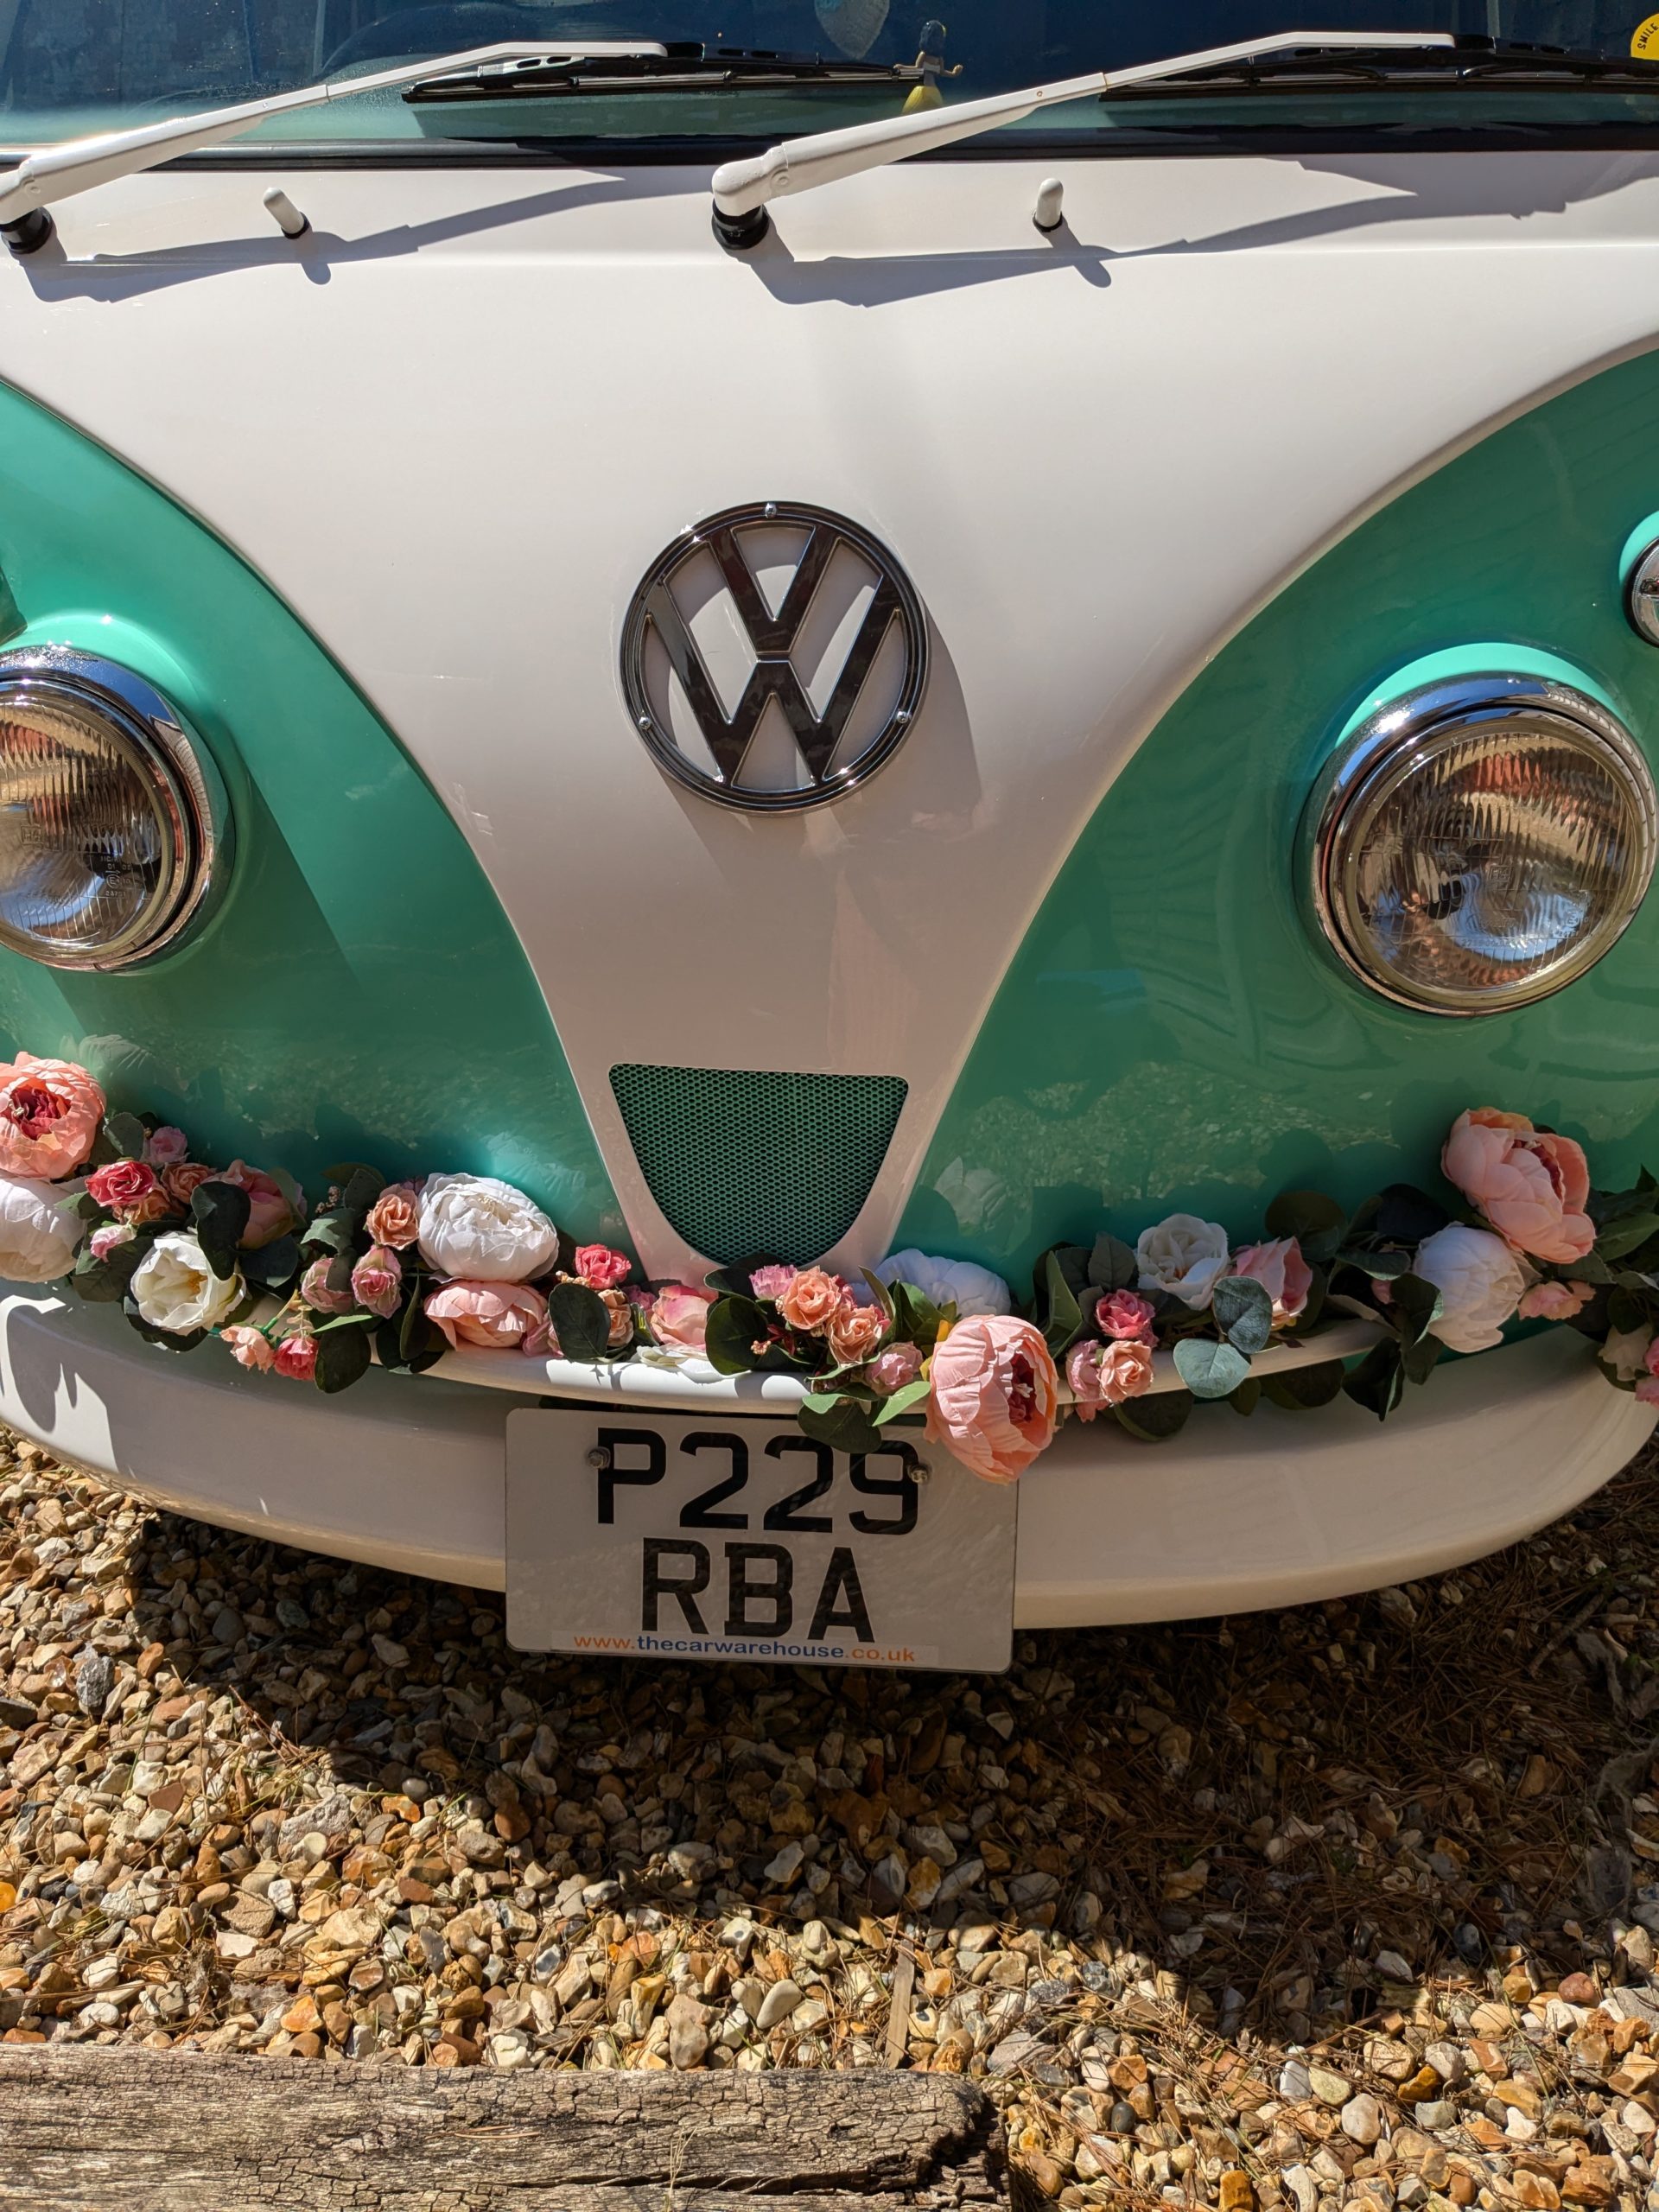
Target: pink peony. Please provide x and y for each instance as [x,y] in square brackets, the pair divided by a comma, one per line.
[180,1183]
[1529,1184]
[1555,1301]
[1125,1313]
[252,1348]
[811,1302]
[377,1282]
[320,1295]
[1105,1375]
[601,1268]
[1281,1271]
[166,1147]
[856,1332]
[394,1219]
[103,1241]
[296,1357]
[771,1282]
[679,1317]
[271,1212]
[894,1369]
[995,1395]
[123,1186]
[493,1316]
[50,1114]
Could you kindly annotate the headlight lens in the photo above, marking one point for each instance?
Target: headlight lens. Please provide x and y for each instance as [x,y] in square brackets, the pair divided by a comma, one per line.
[110,819]
[1480,842]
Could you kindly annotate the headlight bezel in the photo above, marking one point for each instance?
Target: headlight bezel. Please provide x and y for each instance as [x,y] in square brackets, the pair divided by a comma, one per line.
[187,792]
[1396,738]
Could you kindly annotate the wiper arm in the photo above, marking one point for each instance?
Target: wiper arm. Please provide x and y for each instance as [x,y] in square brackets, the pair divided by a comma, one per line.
[742,188]
[29,189]
[674,68]
[1473,61]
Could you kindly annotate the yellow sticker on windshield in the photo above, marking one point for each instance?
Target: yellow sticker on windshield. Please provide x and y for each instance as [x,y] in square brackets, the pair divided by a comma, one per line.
[1644,40]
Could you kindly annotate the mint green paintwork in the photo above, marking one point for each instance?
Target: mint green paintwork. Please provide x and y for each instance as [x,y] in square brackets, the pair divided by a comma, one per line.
[359,994]
[1170,1034]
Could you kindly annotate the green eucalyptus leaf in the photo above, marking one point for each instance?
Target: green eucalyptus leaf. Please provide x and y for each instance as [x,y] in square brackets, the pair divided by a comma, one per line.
[1298,1390]
[164,1337]
[1622,1237]
[274,1265]
[844,1424]
[343,1357]
[1381,1267]
[1112,1265]
[128,1135]
[1405,1214]
[1414,1308]
[104,1282]
[911,1399]
[1378,1381]
[1246,1397]
[733,1325]
[219,1213]
[1243,1314]
[1208,1368]
[581,1321]
[1157,1417]
[880,1292]
[1317,1223]
[1058,1314]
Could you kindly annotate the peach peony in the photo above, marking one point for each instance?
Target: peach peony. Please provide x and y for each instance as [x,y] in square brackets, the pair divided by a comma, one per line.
[856,1333]
[1555,1301]
[1529,1184]
[50,1114]
[1281,1271]
[679,1316]
[811,1302]
[492,1316]
[394,1219]
[995,1395]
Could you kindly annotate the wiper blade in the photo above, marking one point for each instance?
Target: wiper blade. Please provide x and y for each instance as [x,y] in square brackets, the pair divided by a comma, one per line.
[26,191]
[742,188]
[685,68]
[1467,59]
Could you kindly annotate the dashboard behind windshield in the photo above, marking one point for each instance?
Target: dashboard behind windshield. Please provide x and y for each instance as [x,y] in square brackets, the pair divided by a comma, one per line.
[72,66]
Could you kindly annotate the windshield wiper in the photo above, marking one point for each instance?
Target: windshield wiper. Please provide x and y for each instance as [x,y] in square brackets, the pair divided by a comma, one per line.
[1472,60]
[28,190]
[674,68]
[742,188]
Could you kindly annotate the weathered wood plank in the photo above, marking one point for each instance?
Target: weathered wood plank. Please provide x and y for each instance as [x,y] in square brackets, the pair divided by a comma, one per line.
[90,2130]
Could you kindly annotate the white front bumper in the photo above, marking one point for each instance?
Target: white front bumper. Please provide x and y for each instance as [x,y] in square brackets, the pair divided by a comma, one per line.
[1232,1515]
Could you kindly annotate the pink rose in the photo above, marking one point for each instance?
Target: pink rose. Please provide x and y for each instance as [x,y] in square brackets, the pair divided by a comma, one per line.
[1124,1313]
[811,1302]
[994,1395]
[1281,1271]
[1529,1184]
[377,1282]
[619,1306]
[50,1114]
[679,1317]
[394,1219]
[602,1269]
[1647,1390]
[123,1185]
[166,1147]
[493,1316]
[856,1333]
[1107,1374]
[1555,1301]
[271,1212]
[894,1369]
[180,1183]
[105,1241]
[296,1357]
[771,1282]
[252,1348]
[1650,1357]
[320,1295]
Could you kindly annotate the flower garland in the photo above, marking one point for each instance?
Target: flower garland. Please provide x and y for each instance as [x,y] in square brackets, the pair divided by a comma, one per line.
[113,1206]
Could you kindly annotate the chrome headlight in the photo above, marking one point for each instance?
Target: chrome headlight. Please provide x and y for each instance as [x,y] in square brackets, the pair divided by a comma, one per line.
[113,820]
[1480,842]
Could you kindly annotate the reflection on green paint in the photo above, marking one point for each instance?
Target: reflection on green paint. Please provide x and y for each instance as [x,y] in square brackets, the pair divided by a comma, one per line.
[359,994]
[1168,1034]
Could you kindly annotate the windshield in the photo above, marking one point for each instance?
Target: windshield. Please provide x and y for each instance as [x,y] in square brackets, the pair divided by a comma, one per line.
[70,67]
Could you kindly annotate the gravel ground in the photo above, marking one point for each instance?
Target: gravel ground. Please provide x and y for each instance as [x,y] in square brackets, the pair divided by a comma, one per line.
[1352,1906]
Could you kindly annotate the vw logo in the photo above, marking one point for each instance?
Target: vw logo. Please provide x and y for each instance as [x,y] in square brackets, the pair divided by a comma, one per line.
[774,657]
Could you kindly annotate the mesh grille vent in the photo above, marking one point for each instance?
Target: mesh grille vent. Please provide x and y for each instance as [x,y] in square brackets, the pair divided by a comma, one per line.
[743,1163]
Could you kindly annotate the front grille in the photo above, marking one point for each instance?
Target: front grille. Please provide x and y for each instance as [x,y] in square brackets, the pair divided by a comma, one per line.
[745,1163]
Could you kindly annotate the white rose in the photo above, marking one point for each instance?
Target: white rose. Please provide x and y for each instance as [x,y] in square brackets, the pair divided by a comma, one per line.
[39,1236]
[1184,1255]
[482,1229]
[959,1282]
[1480,1282]
[174,1289]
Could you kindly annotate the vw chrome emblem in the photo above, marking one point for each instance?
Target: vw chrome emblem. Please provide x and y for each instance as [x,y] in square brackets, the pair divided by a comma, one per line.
[774,657]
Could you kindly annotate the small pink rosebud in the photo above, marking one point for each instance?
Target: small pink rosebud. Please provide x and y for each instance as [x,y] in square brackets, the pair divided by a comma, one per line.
[378,1281]
[113,1233]
[296,1357]
[252,1348]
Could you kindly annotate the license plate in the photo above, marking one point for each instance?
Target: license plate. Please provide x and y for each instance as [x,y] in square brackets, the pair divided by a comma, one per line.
[687,1537]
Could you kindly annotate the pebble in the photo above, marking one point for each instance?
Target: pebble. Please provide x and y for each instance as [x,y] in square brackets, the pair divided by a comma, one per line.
[332,1798]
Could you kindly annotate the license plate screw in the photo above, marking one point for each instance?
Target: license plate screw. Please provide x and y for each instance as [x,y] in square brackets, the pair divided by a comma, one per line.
[600,1457]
